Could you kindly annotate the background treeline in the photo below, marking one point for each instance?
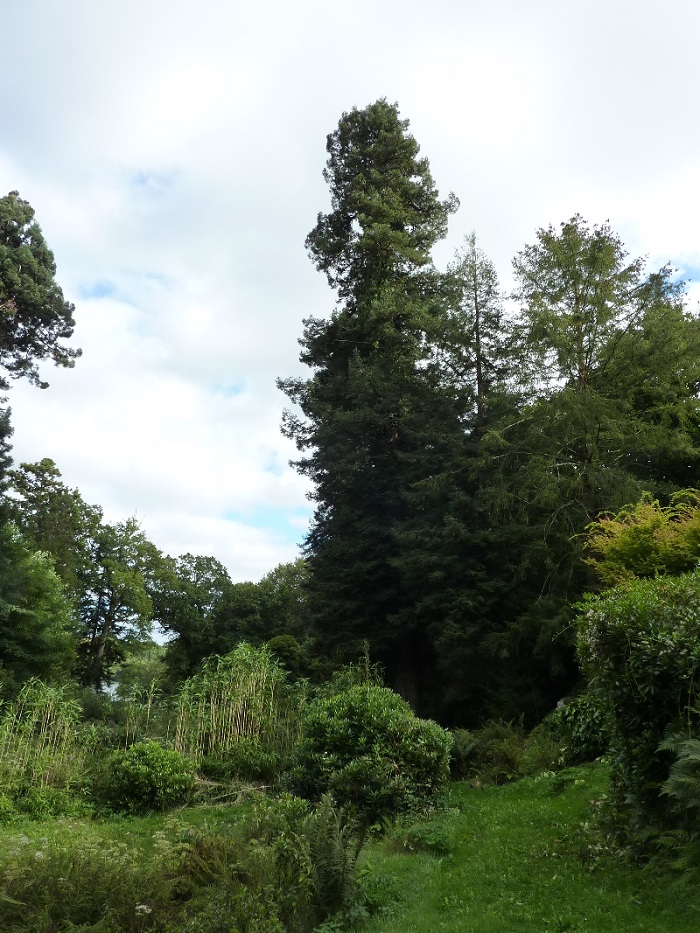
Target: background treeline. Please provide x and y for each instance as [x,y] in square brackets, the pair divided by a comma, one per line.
[93,593]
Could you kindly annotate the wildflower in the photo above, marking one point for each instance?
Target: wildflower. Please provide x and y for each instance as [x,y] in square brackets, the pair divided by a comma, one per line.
[143,909]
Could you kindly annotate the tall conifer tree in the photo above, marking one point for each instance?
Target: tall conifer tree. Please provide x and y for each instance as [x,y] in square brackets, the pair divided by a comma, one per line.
[371,405]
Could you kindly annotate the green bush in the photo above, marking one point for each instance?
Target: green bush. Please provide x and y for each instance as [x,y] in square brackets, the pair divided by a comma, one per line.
[315,850]
[147,777]
[366,748]
[640,646]
[85,880]
[492,754]
[235,907]
[245,760]
[464,742]
[7,809]
[431,836]
[582,729]
[541,751]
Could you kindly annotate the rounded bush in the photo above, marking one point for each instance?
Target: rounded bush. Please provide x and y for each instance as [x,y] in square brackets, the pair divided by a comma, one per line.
[581,727]
[148,777]
[640,646]
[366,748]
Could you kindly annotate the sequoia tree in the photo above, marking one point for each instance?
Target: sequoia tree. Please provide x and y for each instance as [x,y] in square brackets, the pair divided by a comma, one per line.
[372,404]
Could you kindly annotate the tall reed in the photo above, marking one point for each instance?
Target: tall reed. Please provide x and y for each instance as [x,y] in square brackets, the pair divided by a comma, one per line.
[148,714]
[39,738]
[243,695]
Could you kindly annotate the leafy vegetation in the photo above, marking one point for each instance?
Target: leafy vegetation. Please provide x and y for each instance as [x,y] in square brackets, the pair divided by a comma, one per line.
[640,646]
[147,777]
[368,750]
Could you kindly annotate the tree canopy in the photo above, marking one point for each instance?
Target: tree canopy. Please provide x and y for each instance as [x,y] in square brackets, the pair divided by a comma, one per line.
[34,316]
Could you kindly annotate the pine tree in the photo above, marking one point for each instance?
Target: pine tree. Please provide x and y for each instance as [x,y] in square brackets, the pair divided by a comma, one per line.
[371,405]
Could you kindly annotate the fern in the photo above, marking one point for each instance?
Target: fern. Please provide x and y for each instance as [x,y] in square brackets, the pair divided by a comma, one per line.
[683,782]
[334,846]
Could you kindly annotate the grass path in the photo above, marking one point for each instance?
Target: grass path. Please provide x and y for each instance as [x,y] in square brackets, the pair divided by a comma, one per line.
[520,860]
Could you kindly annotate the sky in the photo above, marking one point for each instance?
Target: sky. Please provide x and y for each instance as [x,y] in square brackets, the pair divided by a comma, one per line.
[173,153]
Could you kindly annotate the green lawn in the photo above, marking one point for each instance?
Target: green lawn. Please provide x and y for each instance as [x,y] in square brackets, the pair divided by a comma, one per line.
[520,860]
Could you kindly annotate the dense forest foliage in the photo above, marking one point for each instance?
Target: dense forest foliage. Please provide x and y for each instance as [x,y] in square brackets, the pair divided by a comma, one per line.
[459,441]
[505,516]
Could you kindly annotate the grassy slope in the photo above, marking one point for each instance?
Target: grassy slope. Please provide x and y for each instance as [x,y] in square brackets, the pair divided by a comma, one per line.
[521,860]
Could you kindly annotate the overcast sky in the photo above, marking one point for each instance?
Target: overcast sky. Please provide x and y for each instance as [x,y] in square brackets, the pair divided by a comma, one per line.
[173,153]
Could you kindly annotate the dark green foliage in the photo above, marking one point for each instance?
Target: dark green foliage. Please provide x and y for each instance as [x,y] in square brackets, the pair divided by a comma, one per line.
[456,457]
[315,854]
[189,596]
[195,600]
[114,603]
[581,726]
[492,754]
[462,753]
[639,644]
[108,570]
[245,760]
[573,440]
[37,631]
[334,847]
[372,405]
[368,750]
[501,751]
[238,908]
[682,788]
[386,214]
[34,316]
[289,653]
[5,457]
[55,519]
[146,777]
[683,783]
[354,674]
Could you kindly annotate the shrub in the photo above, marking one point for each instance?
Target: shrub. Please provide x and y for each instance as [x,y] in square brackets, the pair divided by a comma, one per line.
[366,748]
[246,760]
[541,752]
[148,777]
[315,859]
[462,754]
[79,880]
[647,539]
[431,835]
[492,754]
[582,729]
[640,646]
[237,908]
